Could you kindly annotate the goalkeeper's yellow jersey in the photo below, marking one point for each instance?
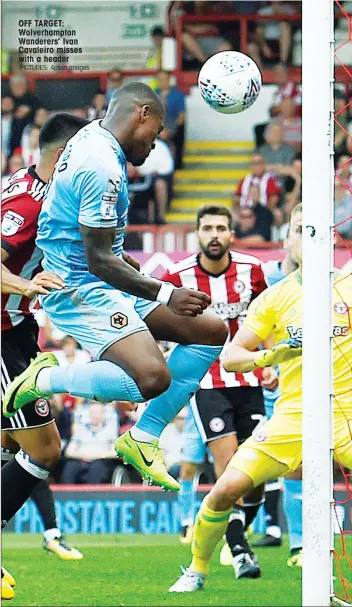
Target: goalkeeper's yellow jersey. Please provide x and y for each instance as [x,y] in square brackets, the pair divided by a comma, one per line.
[277,311]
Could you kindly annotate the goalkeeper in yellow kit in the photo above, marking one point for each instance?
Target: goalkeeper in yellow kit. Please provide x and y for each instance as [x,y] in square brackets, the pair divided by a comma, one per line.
[275,448]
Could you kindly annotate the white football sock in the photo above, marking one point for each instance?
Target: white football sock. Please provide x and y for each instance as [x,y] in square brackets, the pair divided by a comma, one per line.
[43,382]
[52,534]
[142,436]
[274,531]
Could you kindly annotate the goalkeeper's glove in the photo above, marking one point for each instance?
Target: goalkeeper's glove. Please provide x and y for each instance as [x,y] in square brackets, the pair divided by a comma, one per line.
[281,353]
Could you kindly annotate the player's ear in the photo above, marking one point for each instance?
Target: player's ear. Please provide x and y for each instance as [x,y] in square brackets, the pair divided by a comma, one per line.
[232,237]
[144,112]
[58,154]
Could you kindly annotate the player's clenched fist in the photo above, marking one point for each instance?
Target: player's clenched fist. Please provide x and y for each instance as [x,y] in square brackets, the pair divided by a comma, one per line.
[182,301]
[42,284]
[187,302]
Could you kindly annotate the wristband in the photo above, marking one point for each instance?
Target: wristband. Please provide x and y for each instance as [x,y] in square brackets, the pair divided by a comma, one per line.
[165,292]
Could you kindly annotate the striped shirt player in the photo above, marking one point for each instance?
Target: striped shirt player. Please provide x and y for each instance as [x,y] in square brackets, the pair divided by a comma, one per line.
[21,204]
[267,184]
[226,403]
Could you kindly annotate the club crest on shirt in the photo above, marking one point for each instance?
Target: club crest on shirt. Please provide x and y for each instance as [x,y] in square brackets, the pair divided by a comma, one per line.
[341,307]
[238,286]
[42,407]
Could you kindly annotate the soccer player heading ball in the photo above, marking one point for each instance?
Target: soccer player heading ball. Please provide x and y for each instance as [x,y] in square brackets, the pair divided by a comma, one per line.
[111,309]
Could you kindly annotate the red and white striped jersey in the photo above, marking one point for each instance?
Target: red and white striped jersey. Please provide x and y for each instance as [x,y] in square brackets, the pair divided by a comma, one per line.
[268,186]
[231,293]
[290,89]
[21,204]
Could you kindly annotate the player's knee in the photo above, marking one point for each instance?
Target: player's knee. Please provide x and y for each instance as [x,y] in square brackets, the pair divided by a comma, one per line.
[231,485]
[156,380]
[217,331]
[220,498]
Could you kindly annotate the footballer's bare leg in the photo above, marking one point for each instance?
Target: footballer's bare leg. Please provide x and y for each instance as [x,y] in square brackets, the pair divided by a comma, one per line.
[207,329]
[200,342]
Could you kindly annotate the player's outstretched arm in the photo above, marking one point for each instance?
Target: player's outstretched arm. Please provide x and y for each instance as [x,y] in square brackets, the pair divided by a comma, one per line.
[241,358]
[116,272]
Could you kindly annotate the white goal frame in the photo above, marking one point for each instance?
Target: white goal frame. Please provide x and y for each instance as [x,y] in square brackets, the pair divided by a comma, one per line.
[317,230]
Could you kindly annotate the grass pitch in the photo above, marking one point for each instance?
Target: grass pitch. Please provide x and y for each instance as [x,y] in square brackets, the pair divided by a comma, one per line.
[133,570]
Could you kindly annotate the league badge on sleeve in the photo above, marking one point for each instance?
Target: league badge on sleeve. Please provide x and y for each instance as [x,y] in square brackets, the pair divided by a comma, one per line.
[109,199]
[11,223]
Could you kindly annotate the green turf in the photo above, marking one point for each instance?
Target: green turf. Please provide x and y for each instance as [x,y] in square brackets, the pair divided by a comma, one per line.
[137,570]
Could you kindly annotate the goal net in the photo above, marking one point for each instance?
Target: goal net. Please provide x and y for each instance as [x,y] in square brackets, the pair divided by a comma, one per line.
[342,578]
[327,224]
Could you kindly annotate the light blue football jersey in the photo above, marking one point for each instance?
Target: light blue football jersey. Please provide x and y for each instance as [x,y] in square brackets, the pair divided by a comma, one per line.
[273,272]
[88,187]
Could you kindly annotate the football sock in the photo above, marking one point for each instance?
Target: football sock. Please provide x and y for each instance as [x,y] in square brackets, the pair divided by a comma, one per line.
[101,380]
[186,500]
[188,365]
[292,503]
[250,511]
[52,534]
[235,531]
[208,530]
[18,479]
[43,498]
[272,501]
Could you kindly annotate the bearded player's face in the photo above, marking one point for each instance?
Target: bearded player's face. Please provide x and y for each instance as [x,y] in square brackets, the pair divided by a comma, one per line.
[214,236]
[294,239]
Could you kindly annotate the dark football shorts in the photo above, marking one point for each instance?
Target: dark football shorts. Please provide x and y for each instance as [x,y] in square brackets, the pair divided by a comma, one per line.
[18,347]
[222,411]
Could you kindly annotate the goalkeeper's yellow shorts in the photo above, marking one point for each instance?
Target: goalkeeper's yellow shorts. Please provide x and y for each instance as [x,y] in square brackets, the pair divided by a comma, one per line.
[275,447]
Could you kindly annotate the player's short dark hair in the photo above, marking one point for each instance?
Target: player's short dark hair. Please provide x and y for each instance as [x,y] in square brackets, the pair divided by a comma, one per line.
[157,31]
[134,93]
[215,209]
[60,128]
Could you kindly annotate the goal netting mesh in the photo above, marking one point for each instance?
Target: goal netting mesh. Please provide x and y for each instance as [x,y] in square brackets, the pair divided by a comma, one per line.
[342,581]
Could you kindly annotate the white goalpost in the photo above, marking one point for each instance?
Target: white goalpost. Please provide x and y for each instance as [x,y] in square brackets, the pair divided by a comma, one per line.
[318,184]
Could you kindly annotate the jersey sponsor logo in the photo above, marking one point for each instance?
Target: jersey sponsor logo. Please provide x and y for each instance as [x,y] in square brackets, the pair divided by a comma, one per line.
[341,307]
[216,424]
[41,407]
[239,286]
[118,320]
[11,223]
[337,331]
[340,331]
[229,310]
[294,333]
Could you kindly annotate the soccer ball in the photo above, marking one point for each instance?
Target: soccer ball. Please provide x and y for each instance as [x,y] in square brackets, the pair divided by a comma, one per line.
[230,82]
